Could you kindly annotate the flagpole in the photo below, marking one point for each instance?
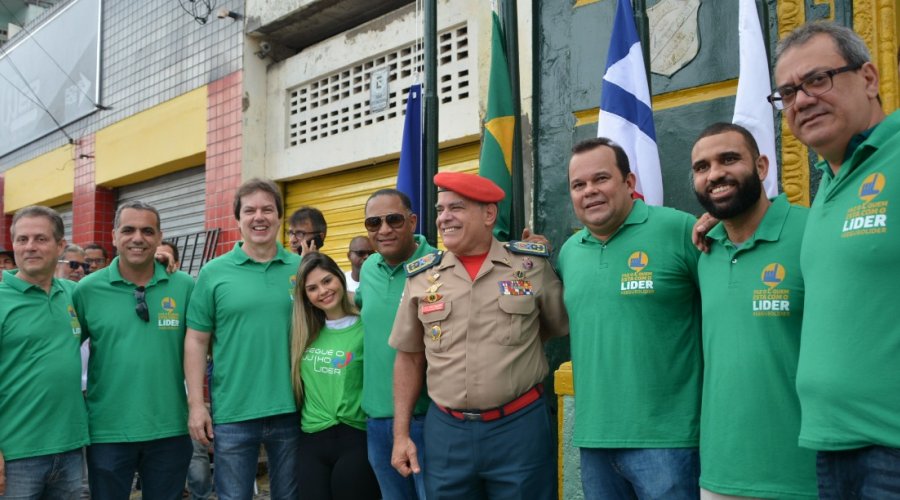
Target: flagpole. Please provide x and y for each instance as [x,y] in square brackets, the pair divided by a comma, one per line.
[642,23]
[510,25]
[431,121]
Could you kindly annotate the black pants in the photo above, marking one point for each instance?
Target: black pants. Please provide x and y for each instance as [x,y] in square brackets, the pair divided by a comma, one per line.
[334,465]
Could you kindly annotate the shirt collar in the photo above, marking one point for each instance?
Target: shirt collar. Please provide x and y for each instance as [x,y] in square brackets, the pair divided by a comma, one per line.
[159,273]
[769,229]
[639,214]
[11,279]
[422,248]
[240,256]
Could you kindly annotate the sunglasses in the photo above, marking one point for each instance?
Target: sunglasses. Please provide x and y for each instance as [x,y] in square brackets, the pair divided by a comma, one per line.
[140,296]
[393,220]
[362,253]
[75,265]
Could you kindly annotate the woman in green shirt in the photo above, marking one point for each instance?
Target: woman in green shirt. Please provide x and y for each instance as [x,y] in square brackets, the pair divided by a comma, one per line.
[327,375]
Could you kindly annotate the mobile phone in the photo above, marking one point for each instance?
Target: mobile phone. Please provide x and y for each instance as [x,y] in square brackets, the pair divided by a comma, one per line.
[318,241]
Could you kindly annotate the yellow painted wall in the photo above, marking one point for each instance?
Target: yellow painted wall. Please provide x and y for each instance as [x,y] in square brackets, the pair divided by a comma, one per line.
[47,180]
[160,140]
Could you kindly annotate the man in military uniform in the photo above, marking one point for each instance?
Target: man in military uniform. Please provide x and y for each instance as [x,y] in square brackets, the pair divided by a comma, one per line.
[478,314]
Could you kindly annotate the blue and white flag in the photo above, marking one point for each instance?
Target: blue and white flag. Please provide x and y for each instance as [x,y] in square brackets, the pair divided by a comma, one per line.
[750,110]
[626,115]
[411,170]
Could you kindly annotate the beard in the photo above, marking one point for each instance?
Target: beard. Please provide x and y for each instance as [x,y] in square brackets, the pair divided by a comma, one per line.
[748,191]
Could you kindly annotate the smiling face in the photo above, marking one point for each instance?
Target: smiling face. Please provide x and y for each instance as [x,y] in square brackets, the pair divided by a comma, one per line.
[35,248]
[465,225]
[602,199]
[259,220]
[827,123]
[137,238]
[727,177]
[394,245]
[325,291]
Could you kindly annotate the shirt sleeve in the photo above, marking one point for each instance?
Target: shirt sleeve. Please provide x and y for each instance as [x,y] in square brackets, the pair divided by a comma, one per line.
[554,319]
[201,307]
[77,297]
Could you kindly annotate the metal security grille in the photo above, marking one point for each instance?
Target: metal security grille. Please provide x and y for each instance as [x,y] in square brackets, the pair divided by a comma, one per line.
[65,211]
[339,102]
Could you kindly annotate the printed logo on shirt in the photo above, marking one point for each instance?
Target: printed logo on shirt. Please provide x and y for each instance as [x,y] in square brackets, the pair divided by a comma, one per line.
[772,300]
[869,217]
[328,361]
[168,319]
[293,281]
[73,320]
[638,282]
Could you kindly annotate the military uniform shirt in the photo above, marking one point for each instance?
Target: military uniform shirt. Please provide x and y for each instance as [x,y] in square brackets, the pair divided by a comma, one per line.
[41,407]
[634,308]
[848,377]
[378,296]
[135,389]
[246,306]
[752,315]
[482,338]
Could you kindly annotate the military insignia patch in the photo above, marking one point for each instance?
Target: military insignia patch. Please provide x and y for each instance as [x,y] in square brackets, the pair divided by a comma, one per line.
[417,266]
[528,248]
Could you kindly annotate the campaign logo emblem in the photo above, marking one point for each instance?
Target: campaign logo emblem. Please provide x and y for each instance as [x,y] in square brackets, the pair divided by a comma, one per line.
[871,186]
[773,275]
[73,320]
[293,281]
[638,261]
[342,362]
[168,304]
[168,319]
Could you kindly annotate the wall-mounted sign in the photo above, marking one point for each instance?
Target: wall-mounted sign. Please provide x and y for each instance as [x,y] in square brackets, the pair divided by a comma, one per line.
[674,37]
[378,89]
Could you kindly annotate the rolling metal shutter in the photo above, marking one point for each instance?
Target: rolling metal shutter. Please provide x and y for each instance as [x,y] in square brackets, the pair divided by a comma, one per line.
[342,196]
[65,211]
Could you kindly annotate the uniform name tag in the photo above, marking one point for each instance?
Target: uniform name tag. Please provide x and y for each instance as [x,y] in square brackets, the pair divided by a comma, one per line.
[430,308]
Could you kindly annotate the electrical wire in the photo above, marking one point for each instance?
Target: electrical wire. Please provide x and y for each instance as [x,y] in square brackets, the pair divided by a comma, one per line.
[37,99]
[209,5]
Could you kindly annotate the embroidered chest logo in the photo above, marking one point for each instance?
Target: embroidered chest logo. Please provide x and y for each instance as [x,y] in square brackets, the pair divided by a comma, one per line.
[869,217]
[168,319]
[638,281]
[73,321]
[293,282]
[772,300]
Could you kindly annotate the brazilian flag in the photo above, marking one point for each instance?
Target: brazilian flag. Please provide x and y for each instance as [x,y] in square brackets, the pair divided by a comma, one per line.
[499,127]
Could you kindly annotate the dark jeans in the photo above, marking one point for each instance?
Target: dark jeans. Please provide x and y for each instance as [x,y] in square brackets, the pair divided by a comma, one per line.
[640,473]
[509,458]
[51,477]
[864,473]
[333,464]
[162,463]
[380,434]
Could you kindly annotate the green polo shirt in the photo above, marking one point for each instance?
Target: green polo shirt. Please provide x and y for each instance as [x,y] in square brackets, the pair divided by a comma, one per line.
[752,315]
[634,312]
[378,295]
[332,374]
[41,407]
[135,388]
[848,377]
[246,306]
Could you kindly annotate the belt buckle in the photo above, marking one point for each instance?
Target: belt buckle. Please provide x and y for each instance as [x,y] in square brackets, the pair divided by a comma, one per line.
[471,416]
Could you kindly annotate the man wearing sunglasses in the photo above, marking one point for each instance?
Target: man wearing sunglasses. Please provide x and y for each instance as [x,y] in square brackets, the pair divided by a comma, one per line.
[847,377]
[391,226]
[477,316]
[307,230]
[133,312]
[43,423]
[360,250]
[71,265]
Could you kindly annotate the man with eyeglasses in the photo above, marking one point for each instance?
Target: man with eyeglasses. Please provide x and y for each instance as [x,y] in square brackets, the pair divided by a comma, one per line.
[71,265]
[477,316]
[360,250]
[242,307]
[307,230]
[95,256]
[133,312]
[44,422]
[847,378]
[391,226]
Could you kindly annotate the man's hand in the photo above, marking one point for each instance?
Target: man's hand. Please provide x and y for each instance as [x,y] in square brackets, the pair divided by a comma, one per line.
[2,475]
[701,228]
[164,259]
[404,457]
[200,424]
[308,246]
[535,238]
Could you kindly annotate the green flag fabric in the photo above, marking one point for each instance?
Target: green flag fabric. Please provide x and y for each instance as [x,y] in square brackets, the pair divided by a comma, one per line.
[495,162]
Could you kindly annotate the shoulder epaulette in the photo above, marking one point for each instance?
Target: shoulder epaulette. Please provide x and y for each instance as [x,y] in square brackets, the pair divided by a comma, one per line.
[417,266]
[528,248]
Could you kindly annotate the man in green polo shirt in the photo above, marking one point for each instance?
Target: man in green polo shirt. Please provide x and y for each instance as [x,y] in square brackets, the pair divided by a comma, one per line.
[242,306]
[848,379]
[752,293]
[631,292]
[133,312]
[43,423]
[391,225]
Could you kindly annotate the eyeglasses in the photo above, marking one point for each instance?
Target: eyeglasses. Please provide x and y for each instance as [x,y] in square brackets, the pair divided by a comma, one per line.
[303,234]
[98,262]
[140,296]
[813,85]
[395,221]
[73,265]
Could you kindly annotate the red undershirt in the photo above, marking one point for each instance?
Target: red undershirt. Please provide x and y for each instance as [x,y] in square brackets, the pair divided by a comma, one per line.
[472,263]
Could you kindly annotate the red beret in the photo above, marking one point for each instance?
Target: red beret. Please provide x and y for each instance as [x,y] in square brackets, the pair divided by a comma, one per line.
[471,186]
